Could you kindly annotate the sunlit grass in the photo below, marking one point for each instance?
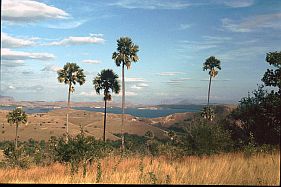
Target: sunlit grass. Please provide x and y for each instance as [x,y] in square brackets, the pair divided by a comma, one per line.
[232,169]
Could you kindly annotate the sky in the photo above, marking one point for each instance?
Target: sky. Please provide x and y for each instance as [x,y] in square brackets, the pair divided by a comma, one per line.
[175,37]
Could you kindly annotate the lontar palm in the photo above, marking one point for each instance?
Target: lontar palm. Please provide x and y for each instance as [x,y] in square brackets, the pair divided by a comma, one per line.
[70,75]
[125,55]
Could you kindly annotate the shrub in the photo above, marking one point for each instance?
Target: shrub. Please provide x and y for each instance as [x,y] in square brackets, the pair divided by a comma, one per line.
[206,138]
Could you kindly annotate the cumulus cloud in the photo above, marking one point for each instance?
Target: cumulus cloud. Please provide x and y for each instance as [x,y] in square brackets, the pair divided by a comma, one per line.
[8,54]
[22,11]
[13,42]
[253,23]
[89,61]
[78,40]
[51,68]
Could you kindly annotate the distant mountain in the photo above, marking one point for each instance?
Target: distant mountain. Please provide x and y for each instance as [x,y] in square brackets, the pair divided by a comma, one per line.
[6,99]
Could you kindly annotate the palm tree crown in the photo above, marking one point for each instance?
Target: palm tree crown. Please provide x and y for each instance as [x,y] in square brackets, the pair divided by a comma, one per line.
[17,116]
[71,73]
[107,80]
[127,52]
[210,64]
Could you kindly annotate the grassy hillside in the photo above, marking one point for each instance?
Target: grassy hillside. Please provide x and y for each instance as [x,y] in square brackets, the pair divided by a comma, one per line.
[44,125]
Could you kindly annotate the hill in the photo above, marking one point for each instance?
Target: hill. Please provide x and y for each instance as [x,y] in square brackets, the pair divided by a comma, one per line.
[42,126]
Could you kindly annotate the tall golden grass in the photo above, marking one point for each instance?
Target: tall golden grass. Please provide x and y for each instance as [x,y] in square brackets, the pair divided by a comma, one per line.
[228,169]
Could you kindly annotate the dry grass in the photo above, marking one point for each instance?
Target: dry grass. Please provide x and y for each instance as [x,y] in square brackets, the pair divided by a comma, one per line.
[229,169]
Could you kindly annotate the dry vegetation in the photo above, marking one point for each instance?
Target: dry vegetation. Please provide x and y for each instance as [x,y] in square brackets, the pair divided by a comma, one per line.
[230,169]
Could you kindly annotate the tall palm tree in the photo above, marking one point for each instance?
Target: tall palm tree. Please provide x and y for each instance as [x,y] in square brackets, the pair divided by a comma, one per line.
[125,55]
[211,64]
[70,75]
[106,80]
[16,116]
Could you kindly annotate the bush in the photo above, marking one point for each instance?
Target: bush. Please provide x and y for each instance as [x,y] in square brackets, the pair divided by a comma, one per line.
[206,138]
[16,157]
[79,150]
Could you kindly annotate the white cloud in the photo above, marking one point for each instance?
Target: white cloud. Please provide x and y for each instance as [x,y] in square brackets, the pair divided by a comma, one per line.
[238,3]
[178,81]
[88,94]
[51,68]
[89,61]
[184,26]
[272,21]
[151,4]
[10,41]
[76,40]
[35,88]
[29,11]
[170,73]
[66,24]
[139,86]
[134,80]
[181,79]
[187,48]
[8,54]
[12,63]
[128,93]
[11,87]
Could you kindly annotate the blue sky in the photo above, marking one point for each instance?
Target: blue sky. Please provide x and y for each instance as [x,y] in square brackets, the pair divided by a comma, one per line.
[175,37]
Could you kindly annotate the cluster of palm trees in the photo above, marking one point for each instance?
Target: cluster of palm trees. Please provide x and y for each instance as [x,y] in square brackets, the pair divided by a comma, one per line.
[107,81]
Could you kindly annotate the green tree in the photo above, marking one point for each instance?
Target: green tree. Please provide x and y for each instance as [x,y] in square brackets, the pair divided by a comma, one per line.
[273,77]
[17,116]
[260,114]
[70,75]
[106,80]
[125,55]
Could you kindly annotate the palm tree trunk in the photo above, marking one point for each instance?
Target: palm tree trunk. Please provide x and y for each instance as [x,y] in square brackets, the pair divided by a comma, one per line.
[209,89]
[123,105]
[16,143]
[104,121]
[68,105]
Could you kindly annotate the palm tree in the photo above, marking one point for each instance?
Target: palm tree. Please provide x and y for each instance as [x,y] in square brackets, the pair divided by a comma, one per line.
[125,55]
[106,80]
[16,116]
[70,75]
[211,64]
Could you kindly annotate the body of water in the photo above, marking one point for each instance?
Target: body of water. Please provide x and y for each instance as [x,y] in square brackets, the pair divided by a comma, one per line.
[138,112]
